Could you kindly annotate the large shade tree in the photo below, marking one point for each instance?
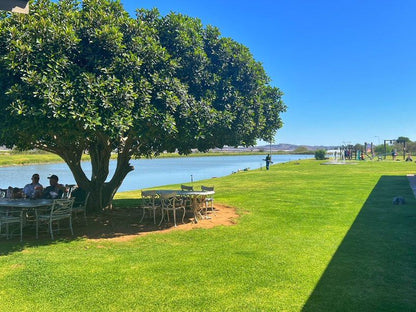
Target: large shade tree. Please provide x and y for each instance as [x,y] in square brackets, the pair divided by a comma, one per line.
[86,77]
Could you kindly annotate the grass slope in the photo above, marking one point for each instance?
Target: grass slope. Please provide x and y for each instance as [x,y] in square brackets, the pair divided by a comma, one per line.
[310,238]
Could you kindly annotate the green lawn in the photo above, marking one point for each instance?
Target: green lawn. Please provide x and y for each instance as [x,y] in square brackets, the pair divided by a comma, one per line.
[310,238]
[13,158]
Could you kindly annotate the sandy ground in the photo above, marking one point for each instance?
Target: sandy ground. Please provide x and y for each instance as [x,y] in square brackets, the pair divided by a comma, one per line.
[121,224]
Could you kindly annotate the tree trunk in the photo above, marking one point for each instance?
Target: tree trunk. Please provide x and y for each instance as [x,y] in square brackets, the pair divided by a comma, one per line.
[101,192]
[101,195]
[100,153]
[122,169]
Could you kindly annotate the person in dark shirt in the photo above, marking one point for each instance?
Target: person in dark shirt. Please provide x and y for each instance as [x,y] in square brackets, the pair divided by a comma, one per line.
[54,190]
[79,194]
[268,161]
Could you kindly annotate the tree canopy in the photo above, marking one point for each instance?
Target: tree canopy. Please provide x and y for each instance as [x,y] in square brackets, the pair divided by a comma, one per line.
[85,76]
[402,139]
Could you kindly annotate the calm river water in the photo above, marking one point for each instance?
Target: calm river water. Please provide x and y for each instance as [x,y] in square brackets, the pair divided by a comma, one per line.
[148,172]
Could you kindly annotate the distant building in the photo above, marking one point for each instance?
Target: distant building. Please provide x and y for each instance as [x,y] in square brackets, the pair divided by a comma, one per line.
[16,6]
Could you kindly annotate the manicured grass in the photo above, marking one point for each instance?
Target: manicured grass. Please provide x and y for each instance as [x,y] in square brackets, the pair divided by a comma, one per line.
[310,237]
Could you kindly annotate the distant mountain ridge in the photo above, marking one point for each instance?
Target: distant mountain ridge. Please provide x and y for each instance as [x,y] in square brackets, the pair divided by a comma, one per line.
[292,147]
[283,147]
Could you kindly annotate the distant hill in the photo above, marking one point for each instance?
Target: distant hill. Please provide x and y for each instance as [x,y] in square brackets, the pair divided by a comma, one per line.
[283,147]
[292,147]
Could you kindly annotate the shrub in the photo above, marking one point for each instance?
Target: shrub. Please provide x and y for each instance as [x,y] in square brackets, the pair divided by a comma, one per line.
[320,154]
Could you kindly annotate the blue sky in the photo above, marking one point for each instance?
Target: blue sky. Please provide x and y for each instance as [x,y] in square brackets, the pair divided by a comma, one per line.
[347,68]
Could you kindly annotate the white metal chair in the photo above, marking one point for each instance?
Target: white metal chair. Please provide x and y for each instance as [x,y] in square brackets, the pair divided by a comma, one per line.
[81,207]
[150,203]
[209,200]
[61,209]
[187,199]
[170,202]
[186,188]
[68,190]
[3,193]
[11,216]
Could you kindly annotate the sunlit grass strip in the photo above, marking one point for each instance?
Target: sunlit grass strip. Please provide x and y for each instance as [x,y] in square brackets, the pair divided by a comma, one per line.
[8,158]
[294,218]
[12,159]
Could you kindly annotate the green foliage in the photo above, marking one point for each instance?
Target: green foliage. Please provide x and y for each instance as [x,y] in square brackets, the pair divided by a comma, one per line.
[403,139]
[303,228]
[78,77]
[320,154]
[359,147]
[379,149]
[411,147]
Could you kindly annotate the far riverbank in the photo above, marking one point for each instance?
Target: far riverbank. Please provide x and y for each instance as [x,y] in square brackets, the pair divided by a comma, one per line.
[148,172]
[12,158]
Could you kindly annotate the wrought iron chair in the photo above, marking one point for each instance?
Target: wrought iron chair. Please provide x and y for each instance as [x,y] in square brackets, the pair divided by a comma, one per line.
[81,207]
[150,203]
[61,209]
[209,200]
[11,216]
[186,188]
[170,202]
[187,199]
[3,193]
[68,190]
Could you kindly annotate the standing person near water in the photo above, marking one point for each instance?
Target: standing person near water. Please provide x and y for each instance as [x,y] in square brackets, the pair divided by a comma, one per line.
[268,160]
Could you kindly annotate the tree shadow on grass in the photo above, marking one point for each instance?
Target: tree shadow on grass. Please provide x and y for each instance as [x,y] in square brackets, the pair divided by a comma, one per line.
[123,219]
[374,268]
[14,245]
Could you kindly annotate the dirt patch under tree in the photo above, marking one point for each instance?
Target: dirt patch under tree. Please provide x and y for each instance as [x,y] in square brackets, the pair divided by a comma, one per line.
[122,224]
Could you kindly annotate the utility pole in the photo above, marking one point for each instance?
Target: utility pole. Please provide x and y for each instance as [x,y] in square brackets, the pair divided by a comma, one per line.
[404,147]
[385,146]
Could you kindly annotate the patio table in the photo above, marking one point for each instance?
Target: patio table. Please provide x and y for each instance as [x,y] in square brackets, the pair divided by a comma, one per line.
[23,208]
[198,199]
[24,203]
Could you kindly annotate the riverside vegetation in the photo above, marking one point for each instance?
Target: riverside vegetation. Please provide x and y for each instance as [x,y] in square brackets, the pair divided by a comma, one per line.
[12,158]
[309,238]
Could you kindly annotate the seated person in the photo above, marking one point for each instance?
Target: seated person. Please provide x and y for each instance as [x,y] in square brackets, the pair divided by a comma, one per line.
[54,190]
[14,192]
[34,189]
[79,194]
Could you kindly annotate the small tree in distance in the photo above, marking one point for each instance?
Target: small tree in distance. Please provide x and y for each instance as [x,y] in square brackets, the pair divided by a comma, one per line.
[320,154]
[86,77]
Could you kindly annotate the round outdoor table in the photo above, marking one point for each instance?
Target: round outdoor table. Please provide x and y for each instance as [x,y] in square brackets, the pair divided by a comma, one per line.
[197,197]
[21,207]
[24,203]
